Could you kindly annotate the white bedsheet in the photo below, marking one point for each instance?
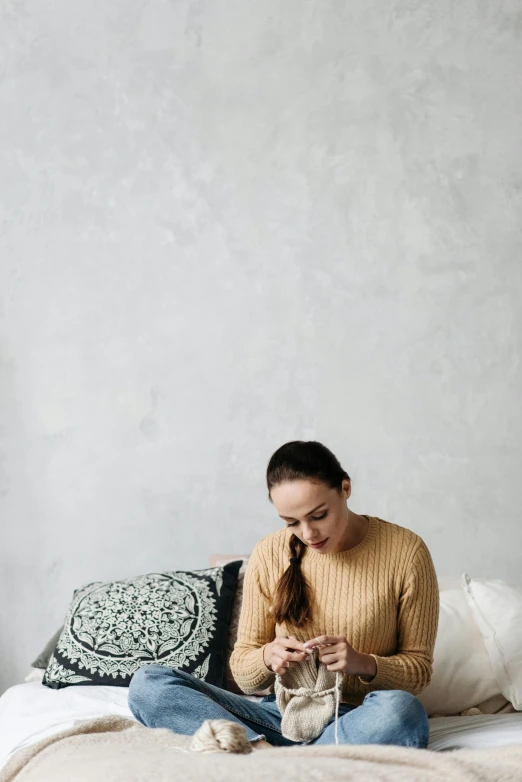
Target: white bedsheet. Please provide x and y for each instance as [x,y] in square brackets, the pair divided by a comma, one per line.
[30,712]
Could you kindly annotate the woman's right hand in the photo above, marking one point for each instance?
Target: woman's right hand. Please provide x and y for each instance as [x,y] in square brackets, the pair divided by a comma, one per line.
[284,652]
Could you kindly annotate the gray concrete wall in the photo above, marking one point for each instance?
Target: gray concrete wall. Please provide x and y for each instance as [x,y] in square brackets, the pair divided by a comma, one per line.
[226,224]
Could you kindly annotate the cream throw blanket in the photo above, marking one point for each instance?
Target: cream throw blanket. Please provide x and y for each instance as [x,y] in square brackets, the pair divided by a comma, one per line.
[116,749]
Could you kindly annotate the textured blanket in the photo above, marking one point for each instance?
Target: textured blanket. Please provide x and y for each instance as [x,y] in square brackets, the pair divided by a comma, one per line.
[116,749]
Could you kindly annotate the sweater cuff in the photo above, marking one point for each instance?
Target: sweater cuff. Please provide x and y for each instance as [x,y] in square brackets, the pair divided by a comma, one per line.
[258,676]
[385,677]
[266,670]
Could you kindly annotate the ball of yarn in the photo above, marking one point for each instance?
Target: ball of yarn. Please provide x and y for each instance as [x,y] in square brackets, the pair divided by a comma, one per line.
[221,736]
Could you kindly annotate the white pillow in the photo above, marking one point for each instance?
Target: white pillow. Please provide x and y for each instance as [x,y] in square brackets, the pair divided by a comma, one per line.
[463,675]
[35,675]
[497,608]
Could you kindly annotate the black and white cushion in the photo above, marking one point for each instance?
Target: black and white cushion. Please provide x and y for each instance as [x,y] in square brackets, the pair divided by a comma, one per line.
[178,619]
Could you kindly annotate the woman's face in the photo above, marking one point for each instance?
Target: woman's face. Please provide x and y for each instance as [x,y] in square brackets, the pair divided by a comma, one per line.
[316,514]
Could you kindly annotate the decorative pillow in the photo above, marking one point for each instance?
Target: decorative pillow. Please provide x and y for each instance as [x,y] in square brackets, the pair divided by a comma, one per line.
[178,619]
[222,559]
[463,676]
[497,608]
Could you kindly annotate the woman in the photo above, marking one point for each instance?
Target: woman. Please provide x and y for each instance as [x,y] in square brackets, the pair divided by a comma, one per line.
[361,589]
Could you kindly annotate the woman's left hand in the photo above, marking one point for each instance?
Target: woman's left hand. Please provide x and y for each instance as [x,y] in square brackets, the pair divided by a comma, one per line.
[336,653]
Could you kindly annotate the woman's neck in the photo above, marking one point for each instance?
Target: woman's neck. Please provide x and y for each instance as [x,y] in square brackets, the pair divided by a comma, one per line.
[356,529]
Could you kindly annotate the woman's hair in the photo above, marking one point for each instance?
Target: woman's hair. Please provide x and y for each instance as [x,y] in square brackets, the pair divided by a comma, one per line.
[295,461]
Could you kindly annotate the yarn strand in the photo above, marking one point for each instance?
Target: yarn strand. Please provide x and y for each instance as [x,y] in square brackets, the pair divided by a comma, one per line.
[338,684]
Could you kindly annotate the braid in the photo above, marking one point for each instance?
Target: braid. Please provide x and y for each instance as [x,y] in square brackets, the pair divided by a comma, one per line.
[292,598]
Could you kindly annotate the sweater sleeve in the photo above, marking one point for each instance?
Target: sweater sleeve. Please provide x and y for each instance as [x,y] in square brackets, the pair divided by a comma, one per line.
[417,623]
[256,629]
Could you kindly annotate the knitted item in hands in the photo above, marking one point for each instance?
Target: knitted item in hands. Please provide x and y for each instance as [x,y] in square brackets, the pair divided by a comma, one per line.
[307,695]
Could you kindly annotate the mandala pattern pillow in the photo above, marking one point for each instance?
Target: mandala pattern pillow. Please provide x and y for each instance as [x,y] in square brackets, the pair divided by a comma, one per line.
[179,619]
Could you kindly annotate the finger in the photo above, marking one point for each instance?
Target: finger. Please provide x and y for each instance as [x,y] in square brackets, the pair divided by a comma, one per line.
[335,667]
[313,643]
[322,640]
[329,658]
[296,657]
[295,645]
[291,643]
[329,649]
[281,666]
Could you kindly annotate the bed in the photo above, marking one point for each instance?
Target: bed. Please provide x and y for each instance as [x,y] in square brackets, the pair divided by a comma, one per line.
[474,703]
[30,712]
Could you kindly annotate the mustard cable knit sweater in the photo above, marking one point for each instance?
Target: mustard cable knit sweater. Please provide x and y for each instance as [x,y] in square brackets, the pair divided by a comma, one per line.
[382,596]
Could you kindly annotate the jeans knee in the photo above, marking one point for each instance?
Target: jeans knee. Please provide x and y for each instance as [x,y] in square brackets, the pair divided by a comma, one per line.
[398,700]
[405,712]
[143,682]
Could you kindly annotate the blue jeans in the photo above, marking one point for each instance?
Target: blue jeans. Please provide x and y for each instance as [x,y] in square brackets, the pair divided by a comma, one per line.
[161,697]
